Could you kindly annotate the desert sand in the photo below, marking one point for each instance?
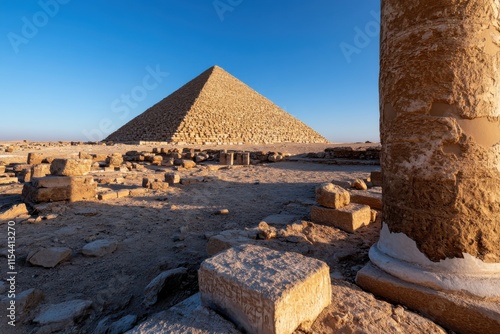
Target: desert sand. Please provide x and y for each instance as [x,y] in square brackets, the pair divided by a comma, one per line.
[167,229]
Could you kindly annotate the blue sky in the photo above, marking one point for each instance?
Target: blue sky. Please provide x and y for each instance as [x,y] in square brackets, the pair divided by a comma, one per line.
[67,66]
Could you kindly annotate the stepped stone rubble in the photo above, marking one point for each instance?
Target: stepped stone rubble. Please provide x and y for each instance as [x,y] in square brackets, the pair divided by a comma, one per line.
[216,108]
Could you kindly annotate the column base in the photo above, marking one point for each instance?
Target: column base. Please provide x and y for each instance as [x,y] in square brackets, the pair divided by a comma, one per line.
[459,312]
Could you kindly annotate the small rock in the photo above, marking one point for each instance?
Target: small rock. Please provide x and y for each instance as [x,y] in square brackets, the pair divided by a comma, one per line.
[167,280]
[87,212]
[49,257]
[28,300]
[64,313]
[99,248]
[188,164]
[222,212]
[359,184]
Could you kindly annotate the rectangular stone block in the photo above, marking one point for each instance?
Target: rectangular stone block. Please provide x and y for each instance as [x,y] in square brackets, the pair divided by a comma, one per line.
[332,196]
[35,158]
[2,169]
[123,193]
[238,159]
[70,167]
[245,159]
[40,170]
[137,192]
[370,198]
[158,185]
[265,291]
[349,218]
[226,159]
[8,180]
[172,178]
[107,196]
[55,189]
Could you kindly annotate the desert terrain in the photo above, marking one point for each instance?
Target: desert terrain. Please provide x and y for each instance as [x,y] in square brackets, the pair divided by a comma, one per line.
[157,230]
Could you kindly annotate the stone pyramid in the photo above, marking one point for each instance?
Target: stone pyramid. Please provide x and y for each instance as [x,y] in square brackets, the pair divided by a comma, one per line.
[216,108]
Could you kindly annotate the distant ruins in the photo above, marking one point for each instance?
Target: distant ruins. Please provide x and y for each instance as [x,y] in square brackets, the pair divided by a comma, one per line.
[216,108]
[440,128]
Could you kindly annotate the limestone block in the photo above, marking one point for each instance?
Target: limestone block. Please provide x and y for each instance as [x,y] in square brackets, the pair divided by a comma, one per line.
[238,158]
[188,164]
[2,169]
[146,181]
[370,198]
[70,167]
[245,159]
[35,158]
[359,184]
[158,185]
[49,257]
[107,195]
[123,193]
[8,180]
[137,192]
[115,160]
[332,196]
[226,159]
[349,218]
[263,290]
[57,188]
[191,180]
[13,212]
[40,170]
[172,178]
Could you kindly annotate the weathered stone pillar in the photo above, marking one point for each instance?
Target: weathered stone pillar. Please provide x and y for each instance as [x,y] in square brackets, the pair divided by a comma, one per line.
[440,131]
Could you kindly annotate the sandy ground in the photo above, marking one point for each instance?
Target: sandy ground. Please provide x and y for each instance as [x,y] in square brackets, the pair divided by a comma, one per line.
[167,229]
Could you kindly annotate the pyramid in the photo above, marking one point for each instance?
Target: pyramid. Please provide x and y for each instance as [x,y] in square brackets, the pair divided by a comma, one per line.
[216,108]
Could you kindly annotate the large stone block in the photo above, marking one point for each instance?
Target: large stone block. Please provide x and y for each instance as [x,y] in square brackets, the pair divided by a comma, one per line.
[8,180]
[349,218]
[70,167]
[371,198]
[55,189]
[35,158]
[40,170]
[332,196]
[265,291]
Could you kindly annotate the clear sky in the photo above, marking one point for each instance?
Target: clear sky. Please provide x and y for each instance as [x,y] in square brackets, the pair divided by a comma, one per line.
[77,70]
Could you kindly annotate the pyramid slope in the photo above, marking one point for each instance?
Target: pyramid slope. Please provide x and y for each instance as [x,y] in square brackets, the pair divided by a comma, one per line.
[216,108]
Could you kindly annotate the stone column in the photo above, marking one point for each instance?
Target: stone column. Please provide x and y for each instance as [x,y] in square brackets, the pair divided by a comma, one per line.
[440,131]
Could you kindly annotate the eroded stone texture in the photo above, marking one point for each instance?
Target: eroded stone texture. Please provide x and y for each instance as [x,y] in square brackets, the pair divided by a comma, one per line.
[440,125]
[265,291]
